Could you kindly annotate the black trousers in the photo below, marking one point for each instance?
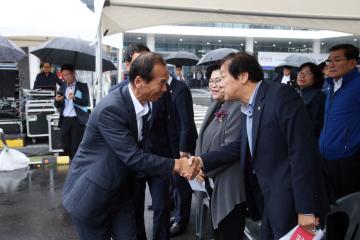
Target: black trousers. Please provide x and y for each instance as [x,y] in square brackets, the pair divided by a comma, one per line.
[182,194]
[344,175]
[232,226]
[160,195]
[119,226]
[71,135]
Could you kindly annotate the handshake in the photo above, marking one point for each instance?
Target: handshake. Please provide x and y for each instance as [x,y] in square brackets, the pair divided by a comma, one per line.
[188,167]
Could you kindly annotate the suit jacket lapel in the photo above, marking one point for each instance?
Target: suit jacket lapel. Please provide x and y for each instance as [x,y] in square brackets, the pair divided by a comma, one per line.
[257,113]
[154,112]
[131,110]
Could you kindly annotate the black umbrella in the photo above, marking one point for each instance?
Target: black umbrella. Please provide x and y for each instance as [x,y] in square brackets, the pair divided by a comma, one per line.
[215,55]
[182,59]
[77,52]
[9,52]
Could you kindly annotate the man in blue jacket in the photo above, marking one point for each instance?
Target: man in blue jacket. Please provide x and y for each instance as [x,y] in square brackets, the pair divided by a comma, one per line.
[340,136]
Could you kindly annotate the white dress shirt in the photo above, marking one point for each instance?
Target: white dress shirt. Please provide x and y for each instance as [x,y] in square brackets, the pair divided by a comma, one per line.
[285,79]
[69,110]
[169,80]
[140,111]
[337,84]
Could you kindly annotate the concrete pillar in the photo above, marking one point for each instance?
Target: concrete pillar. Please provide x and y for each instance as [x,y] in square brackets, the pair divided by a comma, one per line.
[249,46]
[150,41]
[316,46]
[34,67]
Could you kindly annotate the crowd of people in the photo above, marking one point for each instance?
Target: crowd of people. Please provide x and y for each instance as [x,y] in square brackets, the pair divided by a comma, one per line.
[278,151]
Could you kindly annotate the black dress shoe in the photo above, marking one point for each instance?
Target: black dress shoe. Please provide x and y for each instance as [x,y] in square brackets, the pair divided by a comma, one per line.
[177,229]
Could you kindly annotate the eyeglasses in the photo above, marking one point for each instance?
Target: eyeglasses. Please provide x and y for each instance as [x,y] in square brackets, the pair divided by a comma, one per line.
[335,61]
[304,75]
[214,81]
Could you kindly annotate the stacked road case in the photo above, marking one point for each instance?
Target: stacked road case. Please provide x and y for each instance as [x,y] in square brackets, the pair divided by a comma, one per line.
[36,112]
[54,133]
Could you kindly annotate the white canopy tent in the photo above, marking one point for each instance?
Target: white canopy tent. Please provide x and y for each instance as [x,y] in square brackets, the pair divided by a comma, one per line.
[122,15]
[66,18]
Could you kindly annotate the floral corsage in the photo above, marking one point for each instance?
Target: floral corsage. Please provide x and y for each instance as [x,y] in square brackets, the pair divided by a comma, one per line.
[220,115]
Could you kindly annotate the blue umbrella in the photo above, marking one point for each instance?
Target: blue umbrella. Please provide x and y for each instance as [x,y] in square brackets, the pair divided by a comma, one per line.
[9,52]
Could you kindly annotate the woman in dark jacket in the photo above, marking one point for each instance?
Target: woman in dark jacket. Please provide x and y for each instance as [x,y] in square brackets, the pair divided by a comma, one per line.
[221,125]
[309,81]
[46,79]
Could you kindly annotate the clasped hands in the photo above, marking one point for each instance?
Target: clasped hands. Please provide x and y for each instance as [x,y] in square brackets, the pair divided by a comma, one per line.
[188,167]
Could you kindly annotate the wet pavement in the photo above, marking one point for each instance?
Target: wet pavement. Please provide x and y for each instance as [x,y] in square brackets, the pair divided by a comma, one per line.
[30,205]
[31,209]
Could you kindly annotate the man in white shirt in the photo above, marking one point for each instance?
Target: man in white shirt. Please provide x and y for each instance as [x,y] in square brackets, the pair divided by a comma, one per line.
[287,76]
[72,99]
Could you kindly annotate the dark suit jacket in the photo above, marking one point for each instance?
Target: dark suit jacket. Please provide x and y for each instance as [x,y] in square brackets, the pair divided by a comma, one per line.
[314,100]
[285,159]
[47,82]
[185,133]
[163,139]
[79,103]
[279,77]
[102,173]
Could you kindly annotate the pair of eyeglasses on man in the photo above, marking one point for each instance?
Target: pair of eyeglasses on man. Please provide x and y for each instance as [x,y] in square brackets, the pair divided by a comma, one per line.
[214,80]
[335,61]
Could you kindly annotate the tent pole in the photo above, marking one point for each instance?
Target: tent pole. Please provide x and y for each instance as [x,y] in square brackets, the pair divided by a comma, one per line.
[98,61]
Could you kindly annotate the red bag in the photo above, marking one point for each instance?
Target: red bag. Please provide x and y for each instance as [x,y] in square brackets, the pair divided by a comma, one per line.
[302,234]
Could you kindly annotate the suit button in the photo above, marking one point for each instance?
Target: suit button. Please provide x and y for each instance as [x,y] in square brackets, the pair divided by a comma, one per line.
[254,172]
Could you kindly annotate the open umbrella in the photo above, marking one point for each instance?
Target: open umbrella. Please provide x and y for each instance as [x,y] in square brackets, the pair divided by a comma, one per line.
[77,52]
[215,55]
[182,59]
[9,52]
[295,60]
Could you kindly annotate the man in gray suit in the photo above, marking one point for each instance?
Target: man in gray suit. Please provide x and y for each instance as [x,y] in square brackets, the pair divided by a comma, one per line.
[98,191]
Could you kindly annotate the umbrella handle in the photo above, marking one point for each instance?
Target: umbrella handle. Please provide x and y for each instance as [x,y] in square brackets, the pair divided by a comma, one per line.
[3,139]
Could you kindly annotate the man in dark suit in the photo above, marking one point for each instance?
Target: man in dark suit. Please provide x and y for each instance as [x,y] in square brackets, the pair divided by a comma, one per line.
[287,76]
[184,142]
[277,149]
[161,143]
[99,189]
[130,54]
[73,100]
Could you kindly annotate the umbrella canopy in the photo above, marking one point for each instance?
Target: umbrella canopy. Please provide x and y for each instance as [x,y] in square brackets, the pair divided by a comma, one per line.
[182,59]
[77,52]
[215,55]
[295,60]
[9,52]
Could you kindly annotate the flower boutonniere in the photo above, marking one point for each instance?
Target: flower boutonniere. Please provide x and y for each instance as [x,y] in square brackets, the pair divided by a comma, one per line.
[220,115]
